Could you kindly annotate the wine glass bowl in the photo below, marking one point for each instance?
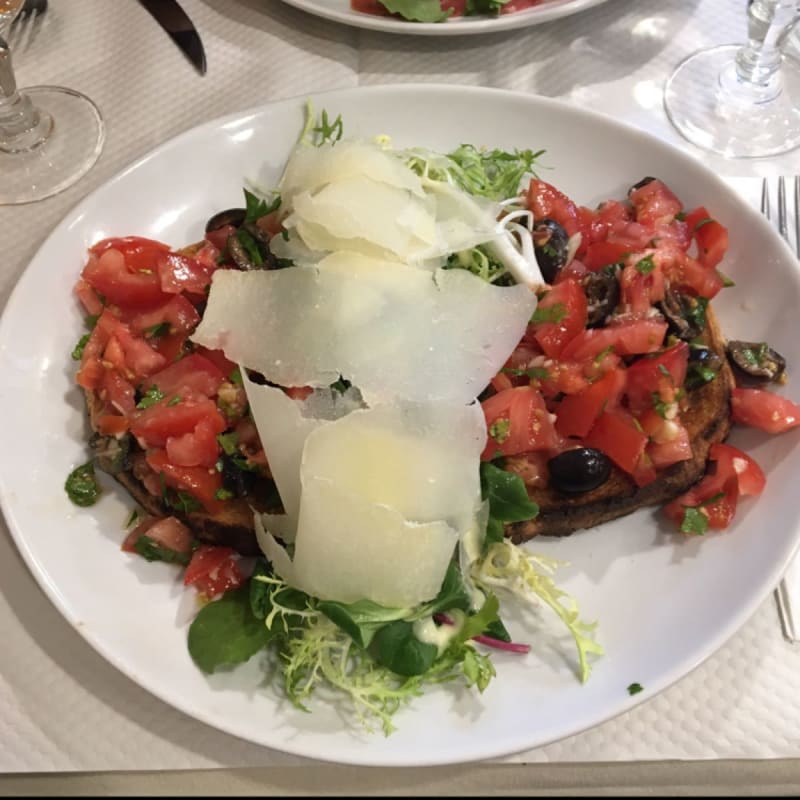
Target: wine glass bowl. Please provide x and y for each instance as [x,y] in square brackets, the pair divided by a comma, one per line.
[742,100]
[50,136]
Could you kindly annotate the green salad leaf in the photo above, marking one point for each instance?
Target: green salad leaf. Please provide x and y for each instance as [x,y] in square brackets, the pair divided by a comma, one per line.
[417,10]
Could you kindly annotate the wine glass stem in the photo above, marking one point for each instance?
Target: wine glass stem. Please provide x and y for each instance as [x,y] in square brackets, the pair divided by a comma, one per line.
[758,62]
[22,126]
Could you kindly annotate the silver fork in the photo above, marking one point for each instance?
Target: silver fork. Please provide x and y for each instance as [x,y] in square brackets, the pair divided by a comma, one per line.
[787,593]
[24,29]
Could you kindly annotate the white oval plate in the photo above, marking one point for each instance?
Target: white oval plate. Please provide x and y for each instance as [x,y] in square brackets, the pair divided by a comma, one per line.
[664,602]
[340,11]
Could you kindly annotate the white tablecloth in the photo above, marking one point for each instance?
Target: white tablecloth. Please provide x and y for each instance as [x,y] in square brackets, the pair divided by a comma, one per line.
[62,707]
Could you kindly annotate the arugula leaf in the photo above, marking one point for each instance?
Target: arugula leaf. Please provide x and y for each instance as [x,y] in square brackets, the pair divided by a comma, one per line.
[396,648]
[256,207]
[496,174]
[327,131]
[507,495]
[226,632]
[417,10]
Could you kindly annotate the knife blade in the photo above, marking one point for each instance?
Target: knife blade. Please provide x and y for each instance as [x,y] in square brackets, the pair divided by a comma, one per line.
[174,20]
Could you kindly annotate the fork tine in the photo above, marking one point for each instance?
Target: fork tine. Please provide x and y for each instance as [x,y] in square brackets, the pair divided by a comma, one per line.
[765,198]
[782,208]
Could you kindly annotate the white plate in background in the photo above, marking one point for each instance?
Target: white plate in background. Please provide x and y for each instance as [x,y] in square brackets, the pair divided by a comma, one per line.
[340,11]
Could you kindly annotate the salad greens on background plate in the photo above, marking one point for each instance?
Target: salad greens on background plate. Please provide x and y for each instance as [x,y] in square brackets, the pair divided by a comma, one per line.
[663,602]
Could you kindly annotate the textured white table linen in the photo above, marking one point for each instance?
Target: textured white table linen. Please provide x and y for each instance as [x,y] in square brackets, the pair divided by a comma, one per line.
[62,707]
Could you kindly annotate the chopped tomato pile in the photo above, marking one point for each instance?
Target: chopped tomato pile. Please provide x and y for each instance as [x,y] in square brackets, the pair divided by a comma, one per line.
[176,409]
[616,349]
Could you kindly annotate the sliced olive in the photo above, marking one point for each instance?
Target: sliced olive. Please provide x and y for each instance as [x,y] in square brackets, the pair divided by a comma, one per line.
[112,454]
[685,314]
[231,216]
[579,470]
[703,366]
[757,360]
[602,295]
[551,245]
[642,182]
[234,478]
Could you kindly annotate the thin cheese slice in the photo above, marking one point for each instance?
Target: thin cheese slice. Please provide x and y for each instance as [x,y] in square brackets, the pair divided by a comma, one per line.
[357,196]
[392,330]
[283,425]
[309,169]
[386,494]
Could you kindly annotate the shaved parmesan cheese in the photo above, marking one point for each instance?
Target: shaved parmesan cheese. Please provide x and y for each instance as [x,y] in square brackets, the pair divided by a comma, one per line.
[311,168]
[391,330]
[283,425]
[357,196]
[386,494]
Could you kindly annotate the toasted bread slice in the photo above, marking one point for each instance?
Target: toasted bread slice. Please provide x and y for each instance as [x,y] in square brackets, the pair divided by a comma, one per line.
[708,420]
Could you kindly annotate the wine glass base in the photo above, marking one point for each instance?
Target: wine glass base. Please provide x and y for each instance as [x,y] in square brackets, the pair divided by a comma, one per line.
[68,153]
[707,107]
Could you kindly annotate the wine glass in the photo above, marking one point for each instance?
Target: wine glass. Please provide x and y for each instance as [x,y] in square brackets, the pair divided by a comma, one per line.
[742,100]
[50,136]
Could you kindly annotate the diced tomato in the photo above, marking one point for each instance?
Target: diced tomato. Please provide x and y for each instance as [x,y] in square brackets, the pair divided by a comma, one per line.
[544,200]
[196,449]
[154,425]
[710,235]
[219,237]
[642,283]
[114,355]
[685,272]
[669,439]
[561,377]
[195,373]
[121,284]
[140,252]
[576,414]
[89,298]
[175,315]
[715,496]
[501,381]
[90,375]
[179,273]
[565,303]
[645,470]
[112,424]
[531,467]
[140,359]
[218,359]
[200,482]
[627,338]
[168,532]
[616,434]
[213,570]
[298,392]
[750,475]
[764,410]
[657,377]
[654,203]
[118,392]
[517,421]
[601,254]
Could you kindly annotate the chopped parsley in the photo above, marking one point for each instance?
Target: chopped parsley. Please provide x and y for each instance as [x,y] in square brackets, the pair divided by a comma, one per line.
[535,373]
[77,351]
[644,266]
[635,688]
[155,331]
[81,485]
[554,313]
[150,397]
[151,550]
[500,430]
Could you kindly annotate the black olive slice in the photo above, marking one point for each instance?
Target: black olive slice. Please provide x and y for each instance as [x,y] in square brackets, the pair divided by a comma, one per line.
[602,295]
[579,470]
[685,314]
[231,216]
[642,182]
[551,245]
[757,360]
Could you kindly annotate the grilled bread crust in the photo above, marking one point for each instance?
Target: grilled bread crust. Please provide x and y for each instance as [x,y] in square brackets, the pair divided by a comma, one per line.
[708,420]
